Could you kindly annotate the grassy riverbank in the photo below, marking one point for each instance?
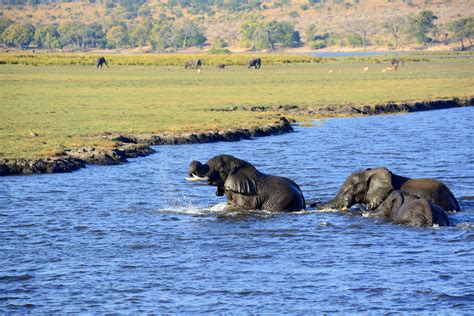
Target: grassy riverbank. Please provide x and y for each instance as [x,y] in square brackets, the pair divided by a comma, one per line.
[71,105]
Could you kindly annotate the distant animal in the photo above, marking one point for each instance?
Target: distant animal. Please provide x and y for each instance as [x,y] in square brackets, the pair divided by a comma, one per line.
[330,71]
[33,134]
[366,69]
[199,71]
[256,63]
[189,64]
[101,61]
[395,62]
[193,64]
[221,66]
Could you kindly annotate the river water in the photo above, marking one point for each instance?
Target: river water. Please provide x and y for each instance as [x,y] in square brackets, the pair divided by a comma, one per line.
[139,238]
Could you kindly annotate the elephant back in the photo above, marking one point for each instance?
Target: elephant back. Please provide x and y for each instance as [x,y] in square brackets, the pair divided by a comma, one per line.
[434,191]
[289,196]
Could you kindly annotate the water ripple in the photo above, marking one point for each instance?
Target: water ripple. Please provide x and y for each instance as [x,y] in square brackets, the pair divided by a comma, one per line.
[137,238]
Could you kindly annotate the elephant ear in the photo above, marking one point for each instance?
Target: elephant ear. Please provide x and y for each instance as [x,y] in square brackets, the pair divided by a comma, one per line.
[379,187]
[240,184]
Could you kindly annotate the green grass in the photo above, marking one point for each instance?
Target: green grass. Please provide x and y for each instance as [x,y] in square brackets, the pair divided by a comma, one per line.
[71,106]
[39,59]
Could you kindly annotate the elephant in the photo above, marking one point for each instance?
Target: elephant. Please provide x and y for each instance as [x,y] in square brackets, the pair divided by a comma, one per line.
[372,186]
[193,65]
[101,61]
[198,64]
[395,62]
[256,63]
[221,66]
[247,188]
[408,209]
[189,64]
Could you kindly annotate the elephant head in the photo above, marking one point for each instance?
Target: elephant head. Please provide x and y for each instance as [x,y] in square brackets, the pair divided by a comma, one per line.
[225,171]
[369,187]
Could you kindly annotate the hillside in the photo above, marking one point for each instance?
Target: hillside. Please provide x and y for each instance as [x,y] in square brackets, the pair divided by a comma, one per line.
[221,21]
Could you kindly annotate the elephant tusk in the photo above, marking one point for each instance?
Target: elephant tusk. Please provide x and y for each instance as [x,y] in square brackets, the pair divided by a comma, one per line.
[196,178]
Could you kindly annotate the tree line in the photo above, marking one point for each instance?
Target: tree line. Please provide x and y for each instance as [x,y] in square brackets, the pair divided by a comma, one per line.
[161,34]
[255,33]
[420,28]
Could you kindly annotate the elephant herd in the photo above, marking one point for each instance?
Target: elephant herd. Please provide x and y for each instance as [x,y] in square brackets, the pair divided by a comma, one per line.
[380,192]
[191,64]
[252,63]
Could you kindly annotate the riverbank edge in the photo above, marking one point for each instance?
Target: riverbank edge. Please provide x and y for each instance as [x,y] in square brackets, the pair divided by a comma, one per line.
[131,146]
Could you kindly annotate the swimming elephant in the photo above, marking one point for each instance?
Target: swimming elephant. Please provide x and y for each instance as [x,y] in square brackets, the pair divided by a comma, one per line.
[246,187]
[256,63]
[372,186]
[101,61]
[408,209]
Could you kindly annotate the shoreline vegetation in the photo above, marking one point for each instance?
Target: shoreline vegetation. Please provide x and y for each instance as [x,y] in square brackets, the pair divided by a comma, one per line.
[60,113]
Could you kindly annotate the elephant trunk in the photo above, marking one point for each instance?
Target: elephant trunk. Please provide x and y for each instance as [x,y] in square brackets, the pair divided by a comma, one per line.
[339,203]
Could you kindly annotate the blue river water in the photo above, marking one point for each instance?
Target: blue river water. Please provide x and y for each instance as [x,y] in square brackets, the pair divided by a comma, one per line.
[138,238]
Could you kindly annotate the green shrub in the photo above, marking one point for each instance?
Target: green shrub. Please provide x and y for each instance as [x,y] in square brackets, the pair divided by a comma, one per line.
[217,51]
[355,40]
[317,44]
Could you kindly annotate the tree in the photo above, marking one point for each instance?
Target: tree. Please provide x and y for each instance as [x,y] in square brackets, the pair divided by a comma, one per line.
[355,40]
[4,24]
[259,35]
[251,32]
[94,36]
[72,33]
[163,35]
[283,33]
[190,34]
[19,34]
[394,27]
[310,33]
[117,36]
[218,42]
[47,36]
[421,25]
[462,29]
[138,34]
